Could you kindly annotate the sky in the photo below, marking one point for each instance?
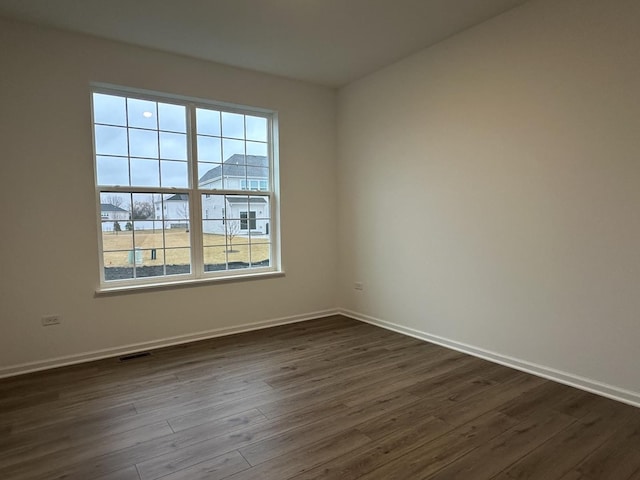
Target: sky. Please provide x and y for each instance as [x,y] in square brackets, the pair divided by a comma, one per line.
[143,143]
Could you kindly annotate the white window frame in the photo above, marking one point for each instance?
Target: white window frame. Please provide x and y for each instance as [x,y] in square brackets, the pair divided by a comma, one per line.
[198,273]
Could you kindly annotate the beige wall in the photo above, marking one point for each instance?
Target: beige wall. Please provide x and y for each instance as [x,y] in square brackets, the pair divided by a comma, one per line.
[47,183]
[489,189]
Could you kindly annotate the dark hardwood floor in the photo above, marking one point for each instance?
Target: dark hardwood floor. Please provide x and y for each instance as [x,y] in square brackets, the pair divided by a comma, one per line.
[327,399]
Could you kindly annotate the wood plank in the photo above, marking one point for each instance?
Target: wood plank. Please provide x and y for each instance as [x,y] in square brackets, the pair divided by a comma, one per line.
[299,460]
[331,398]
[214,469]
[129,473]
[562,452]
[617,458]
[500,452]
[186,449]
[425,459]
[384,448]
[278,445]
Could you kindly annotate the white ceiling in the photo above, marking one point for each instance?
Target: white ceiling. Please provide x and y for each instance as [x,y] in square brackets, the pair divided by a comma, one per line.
[329,42]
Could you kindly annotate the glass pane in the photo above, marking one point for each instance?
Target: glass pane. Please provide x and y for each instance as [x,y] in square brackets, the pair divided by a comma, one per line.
[115,235]
[116,266]
[115,206]
[213,233]
[209,175]
[207,121]
[215,259]
[173,146]
[142,113]
[148,237]
[176,207]
[174,174]
[209,149]
[212,207]
[111,140]
[258,150]
[233,151]
[143,143]
[260,205]
[232,125]
[145,173]
[238,257]
[112,171]
[149,263]
[142,211]
[235,204]
[262,231]
[109,109]
[178,215]
[172,117]
[178,261]
[256,128]
[261,175]
[260,254]
[176,234]
[239,240]
[234,175]
[253,184]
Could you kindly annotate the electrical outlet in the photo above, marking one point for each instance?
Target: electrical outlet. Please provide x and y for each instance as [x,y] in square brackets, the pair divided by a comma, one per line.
[51,320]
[358,285]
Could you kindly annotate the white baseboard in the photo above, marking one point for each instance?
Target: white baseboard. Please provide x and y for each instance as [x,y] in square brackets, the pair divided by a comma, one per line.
[599,388]
[20,369]
[592,386]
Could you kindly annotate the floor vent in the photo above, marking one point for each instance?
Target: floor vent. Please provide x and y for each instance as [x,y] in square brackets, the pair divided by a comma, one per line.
[133,356]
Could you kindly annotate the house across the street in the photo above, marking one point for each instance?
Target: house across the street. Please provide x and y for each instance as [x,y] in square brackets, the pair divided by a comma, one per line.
[241,213]
[110,214]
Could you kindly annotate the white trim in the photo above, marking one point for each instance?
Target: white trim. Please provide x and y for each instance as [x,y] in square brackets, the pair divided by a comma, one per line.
[197,271]
[155,344]
[566,378]
[151,95]
[582,383]
[179,281]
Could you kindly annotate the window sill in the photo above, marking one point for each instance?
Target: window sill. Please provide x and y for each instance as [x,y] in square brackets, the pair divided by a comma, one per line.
[125,289]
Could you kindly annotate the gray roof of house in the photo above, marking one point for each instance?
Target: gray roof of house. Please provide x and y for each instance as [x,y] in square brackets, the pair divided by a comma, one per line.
[178,197]
[235,166]
[109,207]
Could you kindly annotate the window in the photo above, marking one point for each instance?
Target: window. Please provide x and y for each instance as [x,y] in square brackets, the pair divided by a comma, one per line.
[160,163]
[254,185]
[247,220]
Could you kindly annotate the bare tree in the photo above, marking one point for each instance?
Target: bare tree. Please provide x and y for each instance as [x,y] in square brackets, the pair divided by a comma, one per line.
[114,200]
[231,229]
[142,210]
[183,212]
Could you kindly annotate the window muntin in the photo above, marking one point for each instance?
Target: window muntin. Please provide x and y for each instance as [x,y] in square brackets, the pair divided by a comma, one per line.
[155,158]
